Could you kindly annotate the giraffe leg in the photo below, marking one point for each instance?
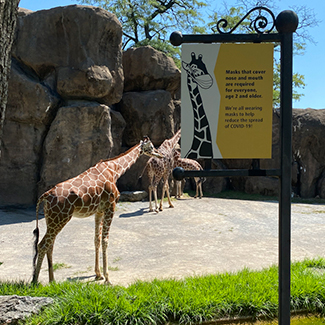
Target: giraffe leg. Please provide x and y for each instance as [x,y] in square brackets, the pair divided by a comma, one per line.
[200,188]
[165,189]
[168,196]
[155,196]
[41,253]
[197,184]
[107,221]
[55,223]
[50,261]
[150,198]
[98,234]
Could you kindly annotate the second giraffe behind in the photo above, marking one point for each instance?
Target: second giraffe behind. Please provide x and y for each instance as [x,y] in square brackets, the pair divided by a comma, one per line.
[188,164]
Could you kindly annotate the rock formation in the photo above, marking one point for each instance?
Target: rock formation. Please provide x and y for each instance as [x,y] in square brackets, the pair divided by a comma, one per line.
[75,97]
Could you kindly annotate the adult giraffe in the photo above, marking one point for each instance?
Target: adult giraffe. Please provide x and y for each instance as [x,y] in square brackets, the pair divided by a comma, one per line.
[158,169]
[188,164]
[198,76]
[92,192]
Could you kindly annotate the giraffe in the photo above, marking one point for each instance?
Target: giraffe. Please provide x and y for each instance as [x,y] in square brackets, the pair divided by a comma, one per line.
[188,164]
[158,169]
[198,76]
[92,192]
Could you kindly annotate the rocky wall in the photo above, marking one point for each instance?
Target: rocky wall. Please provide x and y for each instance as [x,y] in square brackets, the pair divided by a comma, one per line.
[75,97]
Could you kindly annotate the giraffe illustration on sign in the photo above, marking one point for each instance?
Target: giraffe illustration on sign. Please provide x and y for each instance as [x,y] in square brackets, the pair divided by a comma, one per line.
[92,192]
[198,76]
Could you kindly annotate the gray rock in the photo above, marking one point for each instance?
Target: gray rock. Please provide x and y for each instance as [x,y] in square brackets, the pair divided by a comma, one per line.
[148,69]
[133,196]
[82,44]
[79,137]
[16,308]
[308,148]
[147,113]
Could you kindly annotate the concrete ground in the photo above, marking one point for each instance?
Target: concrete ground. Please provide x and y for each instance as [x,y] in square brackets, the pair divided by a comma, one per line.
[196,237]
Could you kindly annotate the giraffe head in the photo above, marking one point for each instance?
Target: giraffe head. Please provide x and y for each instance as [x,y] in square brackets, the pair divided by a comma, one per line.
[197,70]
[147,148]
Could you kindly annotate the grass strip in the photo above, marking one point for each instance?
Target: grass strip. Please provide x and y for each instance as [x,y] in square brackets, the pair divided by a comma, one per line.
[187,301]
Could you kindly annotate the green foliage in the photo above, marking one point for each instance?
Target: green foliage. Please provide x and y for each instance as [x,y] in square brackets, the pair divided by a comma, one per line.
[154,19]
[190,300]
[151,22]
[306,20]
[298,82]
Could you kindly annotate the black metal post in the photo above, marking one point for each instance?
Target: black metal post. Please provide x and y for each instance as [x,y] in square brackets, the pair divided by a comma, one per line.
[286,24]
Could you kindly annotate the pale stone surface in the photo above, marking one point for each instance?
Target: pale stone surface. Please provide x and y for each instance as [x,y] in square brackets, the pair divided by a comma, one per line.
[16,308]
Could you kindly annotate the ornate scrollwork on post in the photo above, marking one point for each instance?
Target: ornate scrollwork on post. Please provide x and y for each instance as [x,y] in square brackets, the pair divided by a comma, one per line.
[259,23]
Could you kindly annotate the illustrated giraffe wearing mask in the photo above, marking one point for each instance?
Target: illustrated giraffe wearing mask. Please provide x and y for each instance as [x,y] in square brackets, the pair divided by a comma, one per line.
[92,192]
[198,76]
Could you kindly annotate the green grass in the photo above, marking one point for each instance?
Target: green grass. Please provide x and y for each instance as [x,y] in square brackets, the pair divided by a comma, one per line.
[191,300]
[60,266]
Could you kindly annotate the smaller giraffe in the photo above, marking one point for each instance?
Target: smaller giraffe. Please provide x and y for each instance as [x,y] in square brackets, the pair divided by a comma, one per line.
[188,164]
[158,169]
[92,192]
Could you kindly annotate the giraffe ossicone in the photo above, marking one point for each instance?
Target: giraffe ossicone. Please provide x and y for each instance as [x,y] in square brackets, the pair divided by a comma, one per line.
[92,192]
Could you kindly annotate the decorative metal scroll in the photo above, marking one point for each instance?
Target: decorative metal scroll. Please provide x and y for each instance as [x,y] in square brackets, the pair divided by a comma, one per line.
[257,24]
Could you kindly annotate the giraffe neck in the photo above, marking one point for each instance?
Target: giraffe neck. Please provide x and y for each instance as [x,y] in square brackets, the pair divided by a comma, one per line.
[170,144]
[201,145]
[124,161]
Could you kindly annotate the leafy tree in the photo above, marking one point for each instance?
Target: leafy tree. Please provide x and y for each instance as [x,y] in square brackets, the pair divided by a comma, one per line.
[151,21]
[307,19]
[8,18]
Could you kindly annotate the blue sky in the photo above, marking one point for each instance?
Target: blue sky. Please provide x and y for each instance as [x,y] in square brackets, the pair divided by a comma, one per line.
[311,64]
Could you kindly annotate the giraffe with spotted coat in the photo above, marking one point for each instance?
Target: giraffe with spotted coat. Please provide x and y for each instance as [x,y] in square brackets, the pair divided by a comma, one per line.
[188,164]
[92,192]
[158,169]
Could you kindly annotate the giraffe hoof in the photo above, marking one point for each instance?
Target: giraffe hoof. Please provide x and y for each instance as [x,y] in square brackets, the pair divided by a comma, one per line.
[99,277]
[107,282]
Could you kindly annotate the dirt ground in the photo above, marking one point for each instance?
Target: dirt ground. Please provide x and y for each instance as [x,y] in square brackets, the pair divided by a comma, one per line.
[198,236]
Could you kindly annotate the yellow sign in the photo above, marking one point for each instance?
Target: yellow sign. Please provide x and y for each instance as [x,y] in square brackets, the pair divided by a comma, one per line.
[227,89]
[244,75]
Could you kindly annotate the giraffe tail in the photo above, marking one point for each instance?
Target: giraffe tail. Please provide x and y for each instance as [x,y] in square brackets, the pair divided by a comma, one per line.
[36,231]
[145,167]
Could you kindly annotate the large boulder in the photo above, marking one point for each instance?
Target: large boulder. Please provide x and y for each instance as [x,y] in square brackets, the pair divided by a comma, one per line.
[30,110]
[148,69]
[147,113]
[308,148]
[79,137]
[79,45]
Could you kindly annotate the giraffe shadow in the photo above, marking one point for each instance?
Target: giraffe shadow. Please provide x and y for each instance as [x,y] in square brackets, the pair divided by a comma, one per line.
[88,278]
[133,214]
[11,215]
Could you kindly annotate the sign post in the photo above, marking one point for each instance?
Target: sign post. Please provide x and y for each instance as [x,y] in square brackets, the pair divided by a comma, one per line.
[286,23]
